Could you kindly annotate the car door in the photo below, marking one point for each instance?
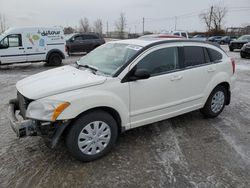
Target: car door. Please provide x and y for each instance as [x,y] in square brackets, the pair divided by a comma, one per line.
[77,44]
[163,94]
[36,46]
[12,49]
[197,73]
[88,43]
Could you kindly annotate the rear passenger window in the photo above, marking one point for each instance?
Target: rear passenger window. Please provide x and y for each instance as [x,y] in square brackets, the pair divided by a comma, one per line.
[87,37]
[160,61]
[214,55]
[193,55]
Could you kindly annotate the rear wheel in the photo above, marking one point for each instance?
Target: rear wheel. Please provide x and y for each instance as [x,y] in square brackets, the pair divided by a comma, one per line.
[92,135]
[54,59]
[215,102]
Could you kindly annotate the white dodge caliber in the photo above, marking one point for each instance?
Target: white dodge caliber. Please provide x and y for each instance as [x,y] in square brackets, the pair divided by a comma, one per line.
[119,86]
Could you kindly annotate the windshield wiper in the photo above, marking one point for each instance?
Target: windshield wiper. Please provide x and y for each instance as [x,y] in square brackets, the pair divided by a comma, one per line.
[87,66]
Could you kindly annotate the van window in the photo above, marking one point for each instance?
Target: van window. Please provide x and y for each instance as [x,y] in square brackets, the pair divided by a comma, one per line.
[214,55]
[193,55]
[12,41]
[160,61]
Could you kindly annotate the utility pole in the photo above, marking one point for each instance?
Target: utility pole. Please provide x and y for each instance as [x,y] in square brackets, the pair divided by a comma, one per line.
[143,25]
[107,29]
[210,18]
[175,22]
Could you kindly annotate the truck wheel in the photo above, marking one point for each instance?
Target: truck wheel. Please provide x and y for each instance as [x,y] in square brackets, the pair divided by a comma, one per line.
[54,59]
[215,102]
[92,135]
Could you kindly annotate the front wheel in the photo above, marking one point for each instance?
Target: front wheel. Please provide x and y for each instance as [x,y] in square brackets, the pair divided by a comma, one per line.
[215,102]
[92,135]
[242,55]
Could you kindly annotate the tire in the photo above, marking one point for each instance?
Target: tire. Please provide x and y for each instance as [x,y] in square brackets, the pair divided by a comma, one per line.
[231,49]
[242,55]
[93,144]
[54,59]
[218,95]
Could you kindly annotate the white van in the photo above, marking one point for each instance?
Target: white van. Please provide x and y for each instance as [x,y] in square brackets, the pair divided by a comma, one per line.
[180,33]
[32,44]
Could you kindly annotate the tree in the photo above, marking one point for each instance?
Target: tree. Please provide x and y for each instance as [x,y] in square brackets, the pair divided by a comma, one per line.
[98,26]
[84,25]
[214,18]
[120,25]
[3,25]
[68,30]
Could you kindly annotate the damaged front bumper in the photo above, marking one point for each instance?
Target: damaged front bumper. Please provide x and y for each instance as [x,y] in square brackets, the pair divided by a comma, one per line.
[51,131]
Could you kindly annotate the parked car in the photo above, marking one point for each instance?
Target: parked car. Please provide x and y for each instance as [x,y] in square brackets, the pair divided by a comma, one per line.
[161,36]
[119,86]
[245,50]
[226,40]
[214,38]
[238,43]
[200,37]
[32,44]
[83,42]
[180,33]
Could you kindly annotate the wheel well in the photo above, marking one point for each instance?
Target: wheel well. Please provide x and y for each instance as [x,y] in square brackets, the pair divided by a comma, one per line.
[54,52]
[109,110]
[227,87]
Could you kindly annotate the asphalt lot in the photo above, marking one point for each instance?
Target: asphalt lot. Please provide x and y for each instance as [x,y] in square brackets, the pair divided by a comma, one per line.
[186,151]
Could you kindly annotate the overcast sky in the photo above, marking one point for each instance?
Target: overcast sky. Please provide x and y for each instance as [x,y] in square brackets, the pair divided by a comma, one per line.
[158,13]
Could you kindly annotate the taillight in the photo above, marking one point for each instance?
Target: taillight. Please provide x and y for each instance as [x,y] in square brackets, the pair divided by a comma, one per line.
[233,64]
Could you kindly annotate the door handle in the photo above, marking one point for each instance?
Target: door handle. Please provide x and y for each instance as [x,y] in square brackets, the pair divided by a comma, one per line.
[29,47]
[21,48]
[211,70]
[176,78]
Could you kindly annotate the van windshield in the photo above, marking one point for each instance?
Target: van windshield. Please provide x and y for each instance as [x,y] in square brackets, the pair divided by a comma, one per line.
[109,57]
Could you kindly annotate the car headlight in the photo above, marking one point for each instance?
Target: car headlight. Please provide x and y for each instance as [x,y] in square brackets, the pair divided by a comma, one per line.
[47,110]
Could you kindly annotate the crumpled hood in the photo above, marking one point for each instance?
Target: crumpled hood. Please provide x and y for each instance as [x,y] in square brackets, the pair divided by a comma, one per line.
[57,81]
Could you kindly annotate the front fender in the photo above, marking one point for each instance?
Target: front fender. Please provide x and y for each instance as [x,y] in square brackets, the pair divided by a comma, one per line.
[84,100]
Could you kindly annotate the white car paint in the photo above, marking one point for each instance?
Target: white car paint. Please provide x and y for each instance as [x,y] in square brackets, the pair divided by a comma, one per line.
[138,103]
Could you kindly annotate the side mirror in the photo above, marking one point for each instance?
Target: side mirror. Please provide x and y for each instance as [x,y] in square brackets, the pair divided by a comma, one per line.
[139,74]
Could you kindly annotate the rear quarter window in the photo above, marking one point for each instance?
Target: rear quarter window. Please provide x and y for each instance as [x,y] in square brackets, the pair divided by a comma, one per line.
[214,55]
[193,56]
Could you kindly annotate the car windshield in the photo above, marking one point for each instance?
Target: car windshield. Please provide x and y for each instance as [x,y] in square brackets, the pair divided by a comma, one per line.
[68,36]
[244,37]
[109,57]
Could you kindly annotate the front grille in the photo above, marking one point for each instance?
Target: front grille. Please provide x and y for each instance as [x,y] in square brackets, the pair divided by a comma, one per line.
[23,103]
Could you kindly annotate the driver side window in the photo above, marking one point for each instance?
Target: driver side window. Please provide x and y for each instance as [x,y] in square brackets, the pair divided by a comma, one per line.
[12,41]
[160,61]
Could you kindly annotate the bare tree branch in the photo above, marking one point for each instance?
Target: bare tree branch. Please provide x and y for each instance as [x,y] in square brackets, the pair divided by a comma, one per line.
[84,25]
[3,25]
[120,25]
[98,26]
